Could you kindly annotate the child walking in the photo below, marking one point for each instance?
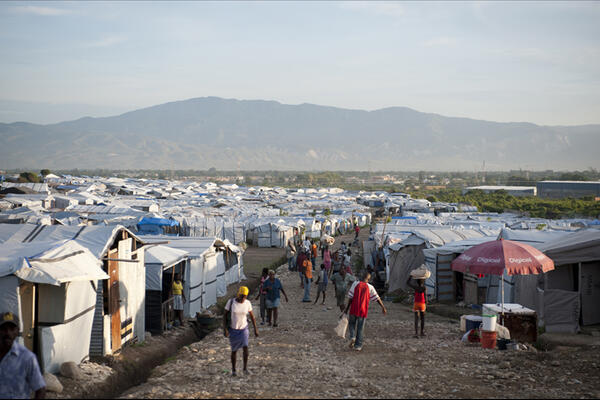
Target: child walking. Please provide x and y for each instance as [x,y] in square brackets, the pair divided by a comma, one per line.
[419,304]
[322,281]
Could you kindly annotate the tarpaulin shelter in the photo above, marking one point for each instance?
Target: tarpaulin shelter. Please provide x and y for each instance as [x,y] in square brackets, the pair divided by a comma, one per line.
[51,286]
[162,263]
[571,293]
[212,264]
[156,226]
[119,312]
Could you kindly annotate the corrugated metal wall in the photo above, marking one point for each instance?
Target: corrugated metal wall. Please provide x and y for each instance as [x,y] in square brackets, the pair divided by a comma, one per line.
[97,341]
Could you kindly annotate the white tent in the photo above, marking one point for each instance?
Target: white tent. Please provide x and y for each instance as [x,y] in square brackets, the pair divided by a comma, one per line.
[570,293]
[212,264]
[59,278]
[159,258]
[119,250]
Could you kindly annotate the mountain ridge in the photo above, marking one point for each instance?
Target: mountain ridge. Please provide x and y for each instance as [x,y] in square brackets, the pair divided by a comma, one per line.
[197,133]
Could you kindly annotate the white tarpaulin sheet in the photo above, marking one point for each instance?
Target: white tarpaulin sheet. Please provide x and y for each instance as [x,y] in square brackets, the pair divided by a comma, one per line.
[158,258]
[582,246]
[58,344]
[221,279]
[9,300]
[50,262]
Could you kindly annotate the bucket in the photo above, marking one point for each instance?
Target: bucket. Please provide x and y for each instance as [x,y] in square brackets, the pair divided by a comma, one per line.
[488,339]
[472,322]
[489,322]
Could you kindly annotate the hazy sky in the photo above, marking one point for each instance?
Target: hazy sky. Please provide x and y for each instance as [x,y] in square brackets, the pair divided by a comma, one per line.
[502,61]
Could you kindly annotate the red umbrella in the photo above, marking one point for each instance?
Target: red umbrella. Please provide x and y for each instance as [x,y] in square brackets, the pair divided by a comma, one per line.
[503,256]
[499,256]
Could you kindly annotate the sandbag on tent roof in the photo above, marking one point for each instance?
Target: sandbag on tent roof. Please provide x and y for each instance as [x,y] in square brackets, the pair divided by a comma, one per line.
[49,263]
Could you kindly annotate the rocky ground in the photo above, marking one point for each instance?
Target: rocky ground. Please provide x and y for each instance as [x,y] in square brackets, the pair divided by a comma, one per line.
[304,358]
[107,377]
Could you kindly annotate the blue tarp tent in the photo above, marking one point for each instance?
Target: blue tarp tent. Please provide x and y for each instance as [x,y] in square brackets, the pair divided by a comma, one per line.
[154,226]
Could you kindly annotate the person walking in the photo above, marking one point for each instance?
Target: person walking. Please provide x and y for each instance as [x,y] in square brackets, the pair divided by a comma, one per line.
[300,265]
[356,231]
[307,271]
[178,297]
[322,283]
[20,373]
[262,295]
[306,245]
[314,253]
[420,304]
[360,295]
[236,313]
[342,282]
[273,286]
[291,254]
[347,263]
[327,260]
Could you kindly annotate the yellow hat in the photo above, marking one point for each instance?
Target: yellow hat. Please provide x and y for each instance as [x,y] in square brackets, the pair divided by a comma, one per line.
[243,291]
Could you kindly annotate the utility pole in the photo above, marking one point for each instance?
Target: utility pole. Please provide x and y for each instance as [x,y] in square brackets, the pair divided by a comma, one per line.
[483,172]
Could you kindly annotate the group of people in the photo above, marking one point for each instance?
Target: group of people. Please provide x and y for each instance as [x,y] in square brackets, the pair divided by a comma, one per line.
[359,293]
[305,263]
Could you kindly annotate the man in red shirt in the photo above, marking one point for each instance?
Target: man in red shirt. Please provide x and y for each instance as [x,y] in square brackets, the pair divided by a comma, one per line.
[360,295]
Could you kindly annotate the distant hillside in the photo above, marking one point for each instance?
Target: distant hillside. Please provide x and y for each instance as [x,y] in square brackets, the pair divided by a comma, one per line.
[213,132]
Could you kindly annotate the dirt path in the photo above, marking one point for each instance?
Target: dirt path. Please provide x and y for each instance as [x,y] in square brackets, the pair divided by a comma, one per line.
[303,358]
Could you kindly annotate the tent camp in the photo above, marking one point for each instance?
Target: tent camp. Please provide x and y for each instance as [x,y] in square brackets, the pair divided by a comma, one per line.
[571,293]
[51,286]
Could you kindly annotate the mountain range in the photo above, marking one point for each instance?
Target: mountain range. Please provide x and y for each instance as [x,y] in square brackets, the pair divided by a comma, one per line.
[210,132]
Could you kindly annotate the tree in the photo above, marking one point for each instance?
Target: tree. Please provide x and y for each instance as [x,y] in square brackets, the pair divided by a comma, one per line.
[45,172]
[29,177]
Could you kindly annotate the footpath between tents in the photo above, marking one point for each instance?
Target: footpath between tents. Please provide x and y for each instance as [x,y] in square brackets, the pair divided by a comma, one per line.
[108,377]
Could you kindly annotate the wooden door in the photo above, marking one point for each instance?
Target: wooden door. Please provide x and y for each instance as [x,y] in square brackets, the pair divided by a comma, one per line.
[27,294]
[114,301]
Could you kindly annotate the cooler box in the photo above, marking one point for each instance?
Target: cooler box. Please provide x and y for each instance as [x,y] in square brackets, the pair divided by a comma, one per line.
[520,321]
[468,322]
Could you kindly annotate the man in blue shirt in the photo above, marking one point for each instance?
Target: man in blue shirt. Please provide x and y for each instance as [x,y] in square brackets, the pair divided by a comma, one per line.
[19,370]
[272,286]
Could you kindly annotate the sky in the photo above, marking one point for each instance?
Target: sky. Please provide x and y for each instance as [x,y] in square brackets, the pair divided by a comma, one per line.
[500,61]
